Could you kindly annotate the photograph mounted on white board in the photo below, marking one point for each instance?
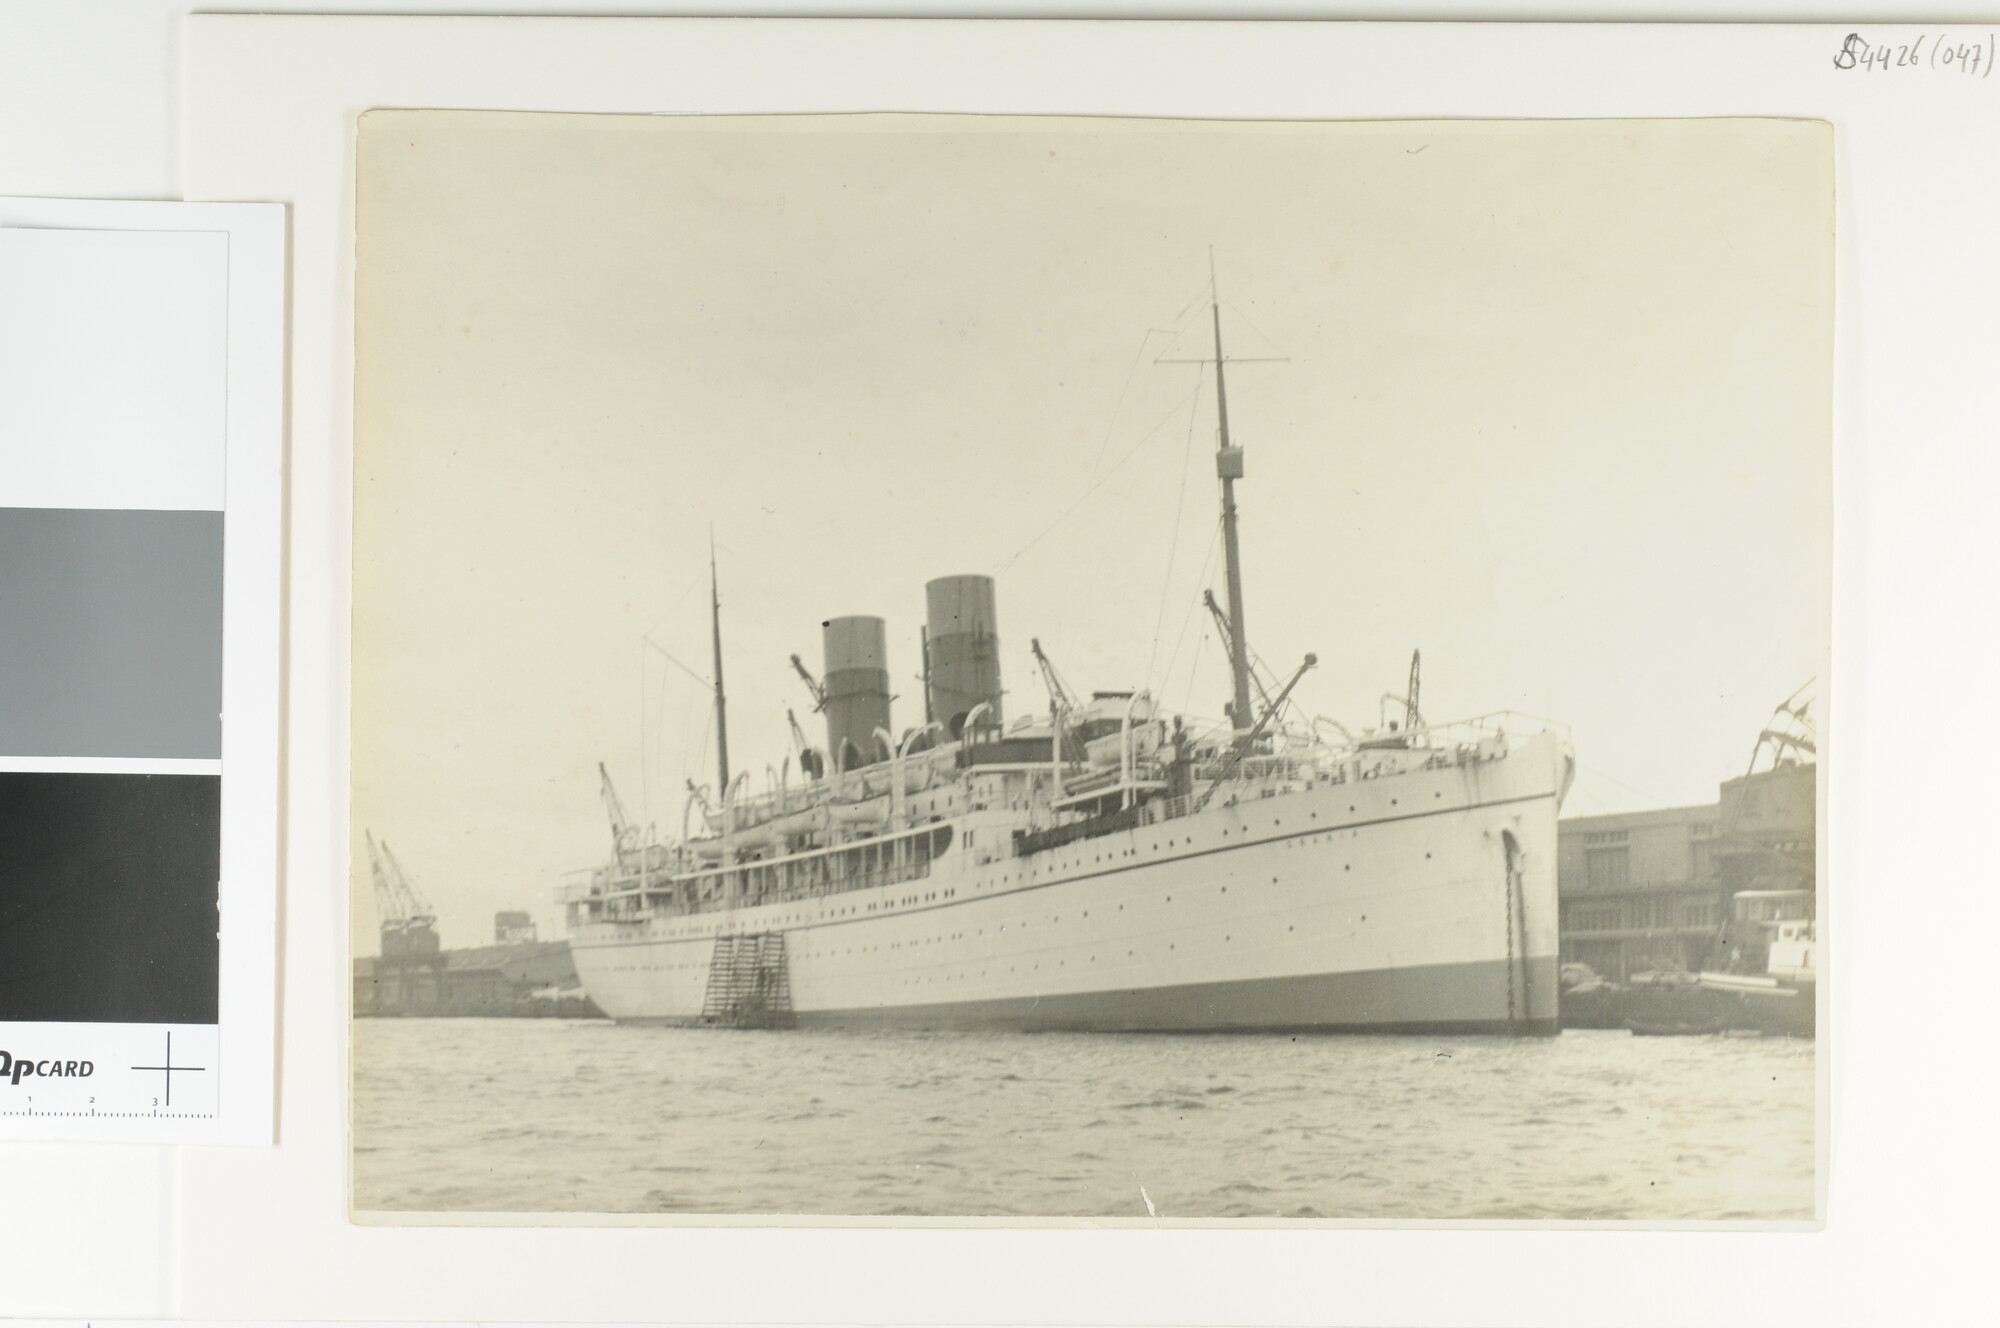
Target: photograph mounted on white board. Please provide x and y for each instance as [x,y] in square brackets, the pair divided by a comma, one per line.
[929,668]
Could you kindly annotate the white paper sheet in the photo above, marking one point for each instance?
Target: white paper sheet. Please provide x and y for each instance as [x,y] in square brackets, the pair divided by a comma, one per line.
[271,104]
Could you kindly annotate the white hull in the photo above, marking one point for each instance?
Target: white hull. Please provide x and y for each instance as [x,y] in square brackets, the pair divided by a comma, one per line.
[1427,900]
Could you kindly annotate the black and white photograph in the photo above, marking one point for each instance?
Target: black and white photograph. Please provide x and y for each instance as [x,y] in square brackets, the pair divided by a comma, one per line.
[1018,670]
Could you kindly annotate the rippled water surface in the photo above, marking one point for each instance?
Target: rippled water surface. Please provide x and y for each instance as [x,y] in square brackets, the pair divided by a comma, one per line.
[526,1115]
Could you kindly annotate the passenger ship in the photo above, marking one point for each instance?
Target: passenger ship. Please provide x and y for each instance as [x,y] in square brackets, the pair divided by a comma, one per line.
[1104,866]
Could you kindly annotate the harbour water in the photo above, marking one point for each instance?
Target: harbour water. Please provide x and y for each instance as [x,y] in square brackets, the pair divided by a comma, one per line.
[500,1115]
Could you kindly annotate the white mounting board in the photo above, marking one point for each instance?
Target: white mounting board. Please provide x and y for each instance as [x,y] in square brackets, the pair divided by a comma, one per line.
[269,114]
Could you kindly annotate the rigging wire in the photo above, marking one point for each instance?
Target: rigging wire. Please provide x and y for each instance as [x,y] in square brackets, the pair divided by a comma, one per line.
[706,682]
[1132,372]
[1194,671]
[645,773]
[649,744]
[1269,680]
[1268,342]
[1180,508]
[675,606]
[1098,483]
[1194,607]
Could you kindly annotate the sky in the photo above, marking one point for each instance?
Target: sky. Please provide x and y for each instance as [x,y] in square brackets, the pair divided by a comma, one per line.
[1549,401]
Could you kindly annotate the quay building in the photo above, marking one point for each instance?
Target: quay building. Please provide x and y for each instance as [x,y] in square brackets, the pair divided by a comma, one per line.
[1672,889]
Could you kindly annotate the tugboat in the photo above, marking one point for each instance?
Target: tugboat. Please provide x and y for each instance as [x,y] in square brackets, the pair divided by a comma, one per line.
[1771,980]
[1768,978]
[1781,999]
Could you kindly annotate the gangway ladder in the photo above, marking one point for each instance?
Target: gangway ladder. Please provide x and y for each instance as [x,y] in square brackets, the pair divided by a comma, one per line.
[749,983]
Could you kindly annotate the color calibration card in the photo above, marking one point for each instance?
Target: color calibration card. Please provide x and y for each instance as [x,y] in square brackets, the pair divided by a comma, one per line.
[141,360]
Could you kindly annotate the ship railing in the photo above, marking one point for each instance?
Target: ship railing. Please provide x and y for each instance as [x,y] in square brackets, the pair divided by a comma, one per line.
[1497,723]
[627,889]
[892,875]
[1448,739]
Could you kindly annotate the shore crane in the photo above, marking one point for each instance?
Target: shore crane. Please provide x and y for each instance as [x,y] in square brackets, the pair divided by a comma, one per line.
[1795,733]
[409,923]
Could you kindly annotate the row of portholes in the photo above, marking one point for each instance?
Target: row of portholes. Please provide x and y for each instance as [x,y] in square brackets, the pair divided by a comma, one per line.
[1228,938]
[956,936]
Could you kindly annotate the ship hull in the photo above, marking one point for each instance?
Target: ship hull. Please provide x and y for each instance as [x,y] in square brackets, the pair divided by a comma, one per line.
[1426,902]
[1437,999]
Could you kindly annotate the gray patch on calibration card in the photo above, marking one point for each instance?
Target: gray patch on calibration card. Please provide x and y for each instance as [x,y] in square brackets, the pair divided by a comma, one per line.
[110,633]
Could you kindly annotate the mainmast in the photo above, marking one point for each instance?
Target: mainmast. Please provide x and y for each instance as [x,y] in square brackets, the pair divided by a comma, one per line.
[1229,467]
[721,703]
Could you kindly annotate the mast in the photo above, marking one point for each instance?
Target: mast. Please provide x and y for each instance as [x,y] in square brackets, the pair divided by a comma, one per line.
[1229,467]
[721,703]
[924,642]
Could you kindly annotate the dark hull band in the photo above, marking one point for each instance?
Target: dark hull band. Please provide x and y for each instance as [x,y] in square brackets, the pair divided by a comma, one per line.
[1442,998]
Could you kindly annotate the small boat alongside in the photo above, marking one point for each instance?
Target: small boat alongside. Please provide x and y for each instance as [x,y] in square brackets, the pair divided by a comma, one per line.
[1782,999]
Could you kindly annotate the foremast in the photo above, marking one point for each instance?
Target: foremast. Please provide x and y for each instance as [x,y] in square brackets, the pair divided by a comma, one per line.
[721,702]
[1229,468]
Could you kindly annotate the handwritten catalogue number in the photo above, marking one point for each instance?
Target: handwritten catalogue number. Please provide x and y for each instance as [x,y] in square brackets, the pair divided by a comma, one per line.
[1973,59]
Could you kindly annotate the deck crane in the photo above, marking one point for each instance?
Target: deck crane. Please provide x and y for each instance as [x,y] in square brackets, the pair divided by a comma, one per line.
[810,760]
[1413,718]
[813,684]
[1246,742]
[1221,617]
[1059,691]
[624,835]
[1062,701]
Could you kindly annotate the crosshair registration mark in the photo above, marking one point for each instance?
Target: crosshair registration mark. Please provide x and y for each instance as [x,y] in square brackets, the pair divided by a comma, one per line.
[171,1069]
